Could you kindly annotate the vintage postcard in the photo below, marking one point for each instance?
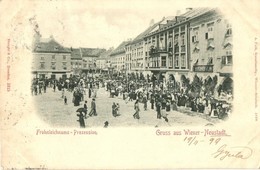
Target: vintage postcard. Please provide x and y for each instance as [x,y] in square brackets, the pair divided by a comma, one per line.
[109,84]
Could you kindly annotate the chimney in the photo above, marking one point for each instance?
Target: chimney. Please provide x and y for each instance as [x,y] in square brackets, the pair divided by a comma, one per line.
[188,9]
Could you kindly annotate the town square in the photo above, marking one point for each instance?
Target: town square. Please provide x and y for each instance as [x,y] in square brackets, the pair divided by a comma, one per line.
[178,71]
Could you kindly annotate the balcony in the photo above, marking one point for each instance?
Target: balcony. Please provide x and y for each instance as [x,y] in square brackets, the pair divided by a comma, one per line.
[157,50]
[203,68]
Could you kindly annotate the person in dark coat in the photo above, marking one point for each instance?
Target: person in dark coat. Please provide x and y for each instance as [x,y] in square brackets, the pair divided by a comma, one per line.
[158,109]
[65,100]
[168,106]
[152,101]
[54,87]
[114,109]
[85,109]
[81,120]
[89,93]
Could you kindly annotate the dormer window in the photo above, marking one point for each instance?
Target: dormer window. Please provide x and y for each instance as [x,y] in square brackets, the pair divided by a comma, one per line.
[56,48]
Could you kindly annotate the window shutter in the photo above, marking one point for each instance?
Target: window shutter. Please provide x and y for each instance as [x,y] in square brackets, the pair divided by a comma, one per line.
[206,36]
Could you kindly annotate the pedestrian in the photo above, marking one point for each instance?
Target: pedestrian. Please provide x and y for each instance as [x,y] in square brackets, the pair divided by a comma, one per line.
[145,102]
[54,87]
[158,109]
[114,109]
[65,100]
[117,109]
[137,109]
[93,108]
[89,93]
[168,106]
[44,87]
[81,120]
[85,109]
[40,89]
[152,101]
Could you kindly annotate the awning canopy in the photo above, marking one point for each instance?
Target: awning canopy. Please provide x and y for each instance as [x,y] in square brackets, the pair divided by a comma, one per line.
[226,71]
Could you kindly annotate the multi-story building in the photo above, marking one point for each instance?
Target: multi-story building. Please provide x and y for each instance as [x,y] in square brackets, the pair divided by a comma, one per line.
[50,59]
[211,47]
[89,57]
[118,57]
[76,61]
[139,52]
[128,56]
[169,46]
[102,61]
[84,59]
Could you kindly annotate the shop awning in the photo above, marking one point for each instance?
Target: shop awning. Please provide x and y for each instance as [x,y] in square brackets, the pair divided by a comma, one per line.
[226,71]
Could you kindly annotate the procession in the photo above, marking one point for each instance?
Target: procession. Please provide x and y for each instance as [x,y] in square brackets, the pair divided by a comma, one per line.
[142,95]
[166,75]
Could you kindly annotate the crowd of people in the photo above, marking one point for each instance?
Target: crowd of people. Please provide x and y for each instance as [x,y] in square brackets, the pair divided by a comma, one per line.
[163,96]
[164,99]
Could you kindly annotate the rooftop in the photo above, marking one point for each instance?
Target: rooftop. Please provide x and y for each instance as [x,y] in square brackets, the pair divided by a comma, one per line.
[49,45]
[120,49]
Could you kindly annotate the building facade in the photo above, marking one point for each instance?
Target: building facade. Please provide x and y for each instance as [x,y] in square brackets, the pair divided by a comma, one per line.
[102,62]
[118,58]
[50,60]
[211,47]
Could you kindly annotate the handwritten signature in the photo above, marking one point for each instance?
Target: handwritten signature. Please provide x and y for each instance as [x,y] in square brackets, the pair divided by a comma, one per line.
[239,152]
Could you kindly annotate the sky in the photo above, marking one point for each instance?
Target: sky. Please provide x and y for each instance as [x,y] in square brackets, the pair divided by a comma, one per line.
[101,24]
[104,23]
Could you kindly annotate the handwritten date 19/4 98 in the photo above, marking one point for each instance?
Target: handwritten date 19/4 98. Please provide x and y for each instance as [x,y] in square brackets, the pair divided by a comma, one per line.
[195,141]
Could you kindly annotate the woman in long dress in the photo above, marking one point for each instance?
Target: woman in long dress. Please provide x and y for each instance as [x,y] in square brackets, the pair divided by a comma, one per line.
[137,109]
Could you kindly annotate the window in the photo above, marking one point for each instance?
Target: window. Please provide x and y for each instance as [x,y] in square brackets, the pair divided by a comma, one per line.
[176,61]
[182,28]
[42,66]
[170,43]
[229,57]
[163,61]
[170,61]
[64,64]
[183,49]
[53,57]
[53,66]
[183,61]
[42,58]
[210,61]
[209,34]
[64,57]
[176,49]
[176,40]
[182,39]
[229,30]
[195,36]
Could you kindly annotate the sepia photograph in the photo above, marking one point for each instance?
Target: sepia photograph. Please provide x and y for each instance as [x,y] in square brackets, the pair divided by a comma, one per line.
[176,71]
[109,84]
